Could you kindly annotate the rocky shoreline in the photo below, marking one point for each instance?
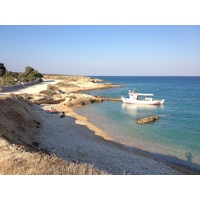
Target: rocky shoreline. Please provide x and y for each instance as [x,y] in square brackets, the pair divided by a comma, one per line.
[67,91]
[72,138]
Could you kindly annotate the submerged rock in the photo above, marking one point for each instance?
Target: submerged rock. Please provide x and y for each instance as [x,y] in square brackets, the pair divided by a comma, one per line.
[145,120]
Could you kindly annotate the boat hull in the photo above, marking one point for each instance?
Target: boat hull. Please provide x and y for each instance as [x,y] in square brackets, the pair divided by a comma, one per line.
[142,102]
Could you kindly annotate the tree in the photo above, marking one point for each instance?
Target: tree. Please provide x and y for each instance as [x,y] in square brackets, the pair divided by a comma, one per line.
[2,69]
[30,74]
[34,75]
[28,70]
[12,74]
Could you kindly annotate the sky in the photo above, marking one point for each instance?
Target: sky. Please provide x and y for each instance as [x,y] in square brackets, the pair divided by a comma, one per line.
[110,50]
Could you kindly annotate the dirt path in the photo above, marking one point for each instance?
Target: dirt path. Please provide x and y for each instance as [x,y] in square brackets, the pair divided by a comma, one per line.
[34,89]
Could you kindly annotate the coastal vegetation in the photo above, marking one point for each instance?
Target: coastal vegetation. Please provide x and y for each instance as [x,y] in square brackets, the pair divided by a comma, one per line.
[51,87]
[12,78]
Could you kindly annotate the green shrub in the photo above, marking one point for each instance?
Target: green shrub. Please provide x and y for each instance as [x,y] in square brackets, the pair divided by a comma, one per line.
[61,84]
[9,80]
[2,69]
[30,74]
[51,87]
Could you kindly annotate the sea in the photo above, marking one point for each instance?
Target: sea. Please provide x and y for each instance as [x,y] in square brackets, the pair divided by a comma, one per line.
[174,138]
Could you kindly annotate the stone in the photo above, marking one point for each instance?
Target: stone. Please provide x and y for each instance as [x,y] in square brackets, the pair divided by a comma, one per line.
[145,120]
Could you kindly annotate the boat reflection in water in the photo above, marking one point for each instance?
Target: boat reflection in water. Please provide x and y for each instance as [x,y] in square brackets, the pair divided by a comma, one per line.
[135,110]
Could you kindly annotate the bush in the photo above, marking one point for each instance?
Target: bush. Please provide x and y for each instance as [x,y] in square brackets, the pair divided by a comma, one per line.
[10,78]
[30,74]
[28,71]
[33,75]
[12,74]
[51,87]
[61,84]
[50,91]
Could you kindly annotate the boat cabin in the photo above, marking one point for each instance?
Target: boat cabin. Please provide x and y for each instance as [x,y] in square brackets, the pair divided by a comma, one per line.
[139,96]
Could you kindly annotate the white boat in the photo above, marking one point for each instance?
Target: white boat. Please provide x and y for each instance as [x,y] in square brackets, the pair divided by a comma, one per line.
[141,99]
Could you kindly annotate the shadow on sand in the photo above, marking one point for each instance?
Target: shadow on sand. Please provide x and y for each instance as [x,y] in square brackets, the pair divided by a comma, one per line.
[184,166]
[48,81]
[187,167]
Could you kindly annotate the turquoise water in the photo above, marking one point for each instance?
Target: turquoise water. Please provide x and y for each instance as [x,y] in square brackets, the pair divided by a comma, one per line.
[175,137]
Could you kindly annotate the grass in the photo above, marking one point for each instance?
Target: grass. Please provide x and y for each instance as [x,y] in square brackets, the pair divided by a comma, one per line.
[16,160]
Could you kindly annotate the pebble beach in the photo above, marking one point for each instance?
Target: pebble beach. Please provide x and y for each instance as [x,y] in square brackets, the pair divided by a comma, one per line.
[74,139]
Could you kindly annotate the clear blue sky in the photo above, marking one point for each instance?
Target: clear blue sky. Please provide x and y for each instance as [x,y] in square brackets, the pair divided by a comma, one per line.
[102,50]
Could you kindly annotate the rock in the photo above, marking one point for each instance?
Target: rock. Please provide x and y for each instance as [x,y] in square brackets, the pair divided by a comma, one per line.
[145,120]
[109,98]
[80,99]
[47,100]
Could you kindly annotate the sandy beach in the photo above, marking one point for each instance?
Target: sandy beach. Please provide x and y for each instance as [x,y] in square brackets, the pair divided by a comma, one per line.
[74,139]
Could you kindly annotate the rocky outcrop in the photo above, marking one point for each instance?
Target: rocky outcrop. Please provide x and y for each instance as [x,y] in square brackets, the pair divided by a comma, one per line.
[65,91]
[109,98]
[145,120]
[71,99]
[47,100]
[72,84]
[80,99]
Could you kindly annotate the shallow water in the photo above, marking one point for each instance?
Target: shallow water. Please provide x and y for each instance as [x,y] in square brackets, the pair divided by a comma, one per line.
[177,132]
